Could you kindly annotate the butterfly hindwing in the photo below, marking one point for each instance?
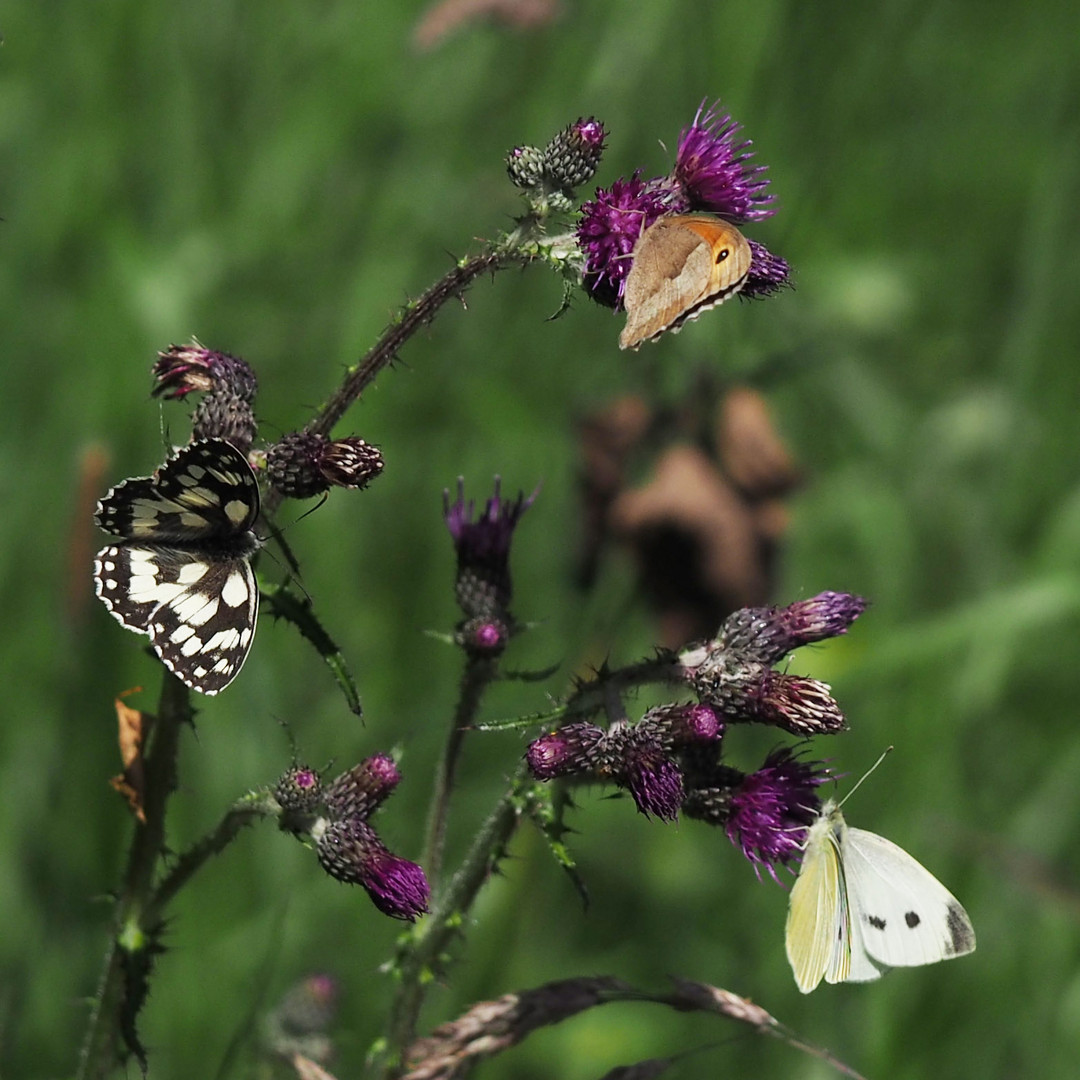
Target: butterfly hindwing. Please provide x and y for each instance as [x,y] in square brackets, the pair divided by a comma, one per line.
[181,573]
[818,934]
[905,916]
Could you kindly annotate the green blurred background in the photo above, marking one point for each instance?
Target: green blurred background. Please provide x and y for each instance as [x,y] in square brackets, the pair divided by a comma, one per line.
[277,178]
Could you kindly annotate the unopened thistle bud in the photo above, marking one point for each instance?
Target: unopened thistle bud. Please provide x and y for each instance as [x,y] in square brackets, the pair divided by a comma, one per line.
[525,166]
[303,464]
[575,748]
[229,386]
[299,791]
[361,790]
[572,156]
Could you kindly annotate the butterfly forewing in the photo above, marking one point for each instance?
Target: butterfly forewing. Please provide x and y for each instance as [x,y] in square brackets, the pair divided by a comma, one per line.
[818,929]
[181,573]
[905,916]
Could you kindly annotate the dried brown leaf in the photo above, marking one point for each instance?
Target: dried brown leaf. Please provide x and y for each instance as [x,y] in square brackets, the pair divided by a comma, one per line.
[133,727]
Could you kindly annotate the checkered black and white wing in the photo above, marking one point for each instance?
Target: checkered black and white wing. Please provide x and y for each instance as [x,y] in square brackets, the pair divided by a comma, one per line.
[207,491]
[199,610]
[181,572]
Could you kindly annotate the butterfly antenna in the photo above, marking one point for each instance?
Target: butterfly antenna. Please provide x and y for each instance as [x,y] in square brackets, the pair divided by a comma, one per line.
[887,751]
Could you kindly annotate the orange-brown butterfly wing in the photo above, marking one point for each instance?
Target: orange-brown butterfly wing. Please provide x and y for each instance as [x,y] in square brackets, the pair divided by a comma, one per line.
[683,265]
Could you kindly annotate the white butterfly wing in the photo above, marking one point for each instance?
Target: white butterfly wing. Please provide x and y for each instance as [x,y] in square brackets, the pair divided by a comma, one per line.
[901,915]
[818,936]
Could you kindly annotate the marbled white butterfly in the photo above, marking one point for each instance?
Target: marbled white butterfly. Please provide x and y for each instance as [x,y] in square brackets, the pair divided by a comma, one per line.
[181,572]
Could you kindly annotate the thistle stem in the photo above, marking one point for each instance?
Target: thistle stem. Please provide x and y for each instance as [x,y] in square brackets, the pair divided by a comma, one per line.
[112,1014]
[474,680]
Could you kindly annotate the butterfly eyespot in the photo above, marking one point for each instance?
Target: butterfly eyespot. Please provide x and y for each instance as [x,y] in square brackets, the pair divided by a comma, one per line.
[722,254]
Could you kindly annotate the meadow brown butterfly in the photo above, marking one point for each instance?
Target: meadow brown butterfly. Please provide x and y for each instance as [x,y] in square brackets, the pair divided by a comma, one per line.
[682,265]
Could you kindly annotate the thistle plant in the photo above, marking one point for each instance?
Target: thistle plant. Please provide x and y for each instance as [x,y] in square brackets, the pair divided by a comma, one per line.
[189,565]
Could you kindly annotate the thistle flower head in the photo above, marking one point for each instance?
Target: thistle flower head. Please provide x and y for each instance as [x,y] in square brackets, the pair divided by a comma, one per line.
[350,851]
[572,156]
[771,809]
[714,172]
[361,790]
[655,781]
[609,228]
[483,584]
[229,385]
[768,273]
[299,791]
[304,464]
[574,748]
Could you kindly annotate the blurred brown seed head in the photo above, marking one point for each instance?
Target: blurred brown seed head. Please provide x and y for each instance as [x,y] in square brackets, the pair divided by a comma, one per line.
[442,19]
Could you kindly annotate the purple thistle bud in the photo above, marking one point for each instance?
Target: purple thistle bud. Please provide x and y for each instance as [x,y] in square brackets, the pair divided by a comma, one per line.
[358,792]
[654,780]
[766,634]
[350,851]
[304,464]
[483,585]
[714,170]
[768,273]
[309,1006]
[573,155]
[610,226]
[483,636]
[771,809]
[228,383]
[800,705]
[299,791]
[575,748]
[677,726]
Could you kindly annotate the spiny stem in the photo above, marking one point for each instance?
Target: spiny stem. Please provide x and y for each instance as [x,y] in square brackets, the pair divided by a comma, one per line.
[424,950]
[475,679]
[132,929]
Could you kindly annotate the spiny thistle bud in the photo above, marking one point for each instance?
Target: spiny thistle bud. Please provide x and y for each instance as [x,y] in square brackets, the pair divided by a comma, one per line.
[483,636]
[350,851]
[675,726]
[299,791]
[768,634]
[573,155]
[483,585]
[525,166]
[303,464]
[358,792]
[229,385]
[575,748]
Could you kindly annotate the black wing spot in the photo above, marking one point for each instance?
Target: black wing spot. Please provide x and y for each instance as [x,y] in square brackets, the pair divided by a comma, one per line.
[876,921]
[722,254]
[912,919]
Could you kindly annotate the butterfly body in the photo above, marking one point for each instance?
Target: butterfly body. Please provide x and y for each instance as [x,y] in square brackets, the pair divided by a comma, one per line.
[862,905]
[181,571]
[683,264]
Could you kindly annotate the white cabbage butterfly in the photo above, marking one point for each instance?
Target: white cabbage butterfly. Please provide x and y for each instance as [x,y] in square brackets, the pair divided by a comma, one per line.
[862,905]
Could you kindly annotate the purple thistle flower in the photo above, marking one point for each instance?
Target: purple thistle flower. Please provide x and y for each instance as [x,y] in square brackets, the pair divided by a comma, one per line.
[226,412]
[610,226]
[768,273]
[771,809]
[714,172]
[483,583]
[299,793]
[653,779]
[350,851]
[767,634]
